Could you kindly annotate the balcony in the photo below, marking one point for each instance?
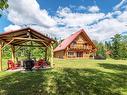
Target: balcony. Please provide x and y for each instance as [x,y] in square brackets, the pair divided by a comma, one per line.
[80,47]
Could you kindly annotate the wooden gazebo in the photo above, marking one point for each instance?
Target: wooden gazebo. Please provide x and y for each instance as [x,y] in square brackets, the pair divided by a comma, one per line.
[19,37]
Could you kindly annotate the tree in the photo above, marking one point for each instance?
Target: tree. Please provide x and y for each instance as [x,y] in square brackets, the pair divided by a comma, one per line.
[56,43]
[108,49]
[108,45]
[3,5]
[101,50]
[123,47]
[116,46]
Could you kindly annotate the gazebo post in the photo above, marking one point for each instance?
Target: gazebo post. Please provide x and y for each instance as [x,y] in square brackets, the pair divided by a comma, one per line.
[46,53]
[0,57]
[13,53]
[51,59]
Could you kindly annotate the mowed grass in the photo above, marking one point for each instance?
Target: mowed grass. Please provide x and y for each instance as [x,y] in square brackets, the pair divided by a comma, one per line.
[69,77]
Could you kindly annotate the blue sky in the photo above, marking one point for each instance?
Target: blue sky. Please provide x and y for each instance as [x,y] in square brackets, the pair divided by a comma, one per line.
[101,19]
[53,5]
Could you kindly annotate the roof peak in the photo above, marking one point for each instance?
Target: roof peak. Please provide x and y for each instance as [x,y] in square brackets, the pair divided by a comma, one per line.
[69,39]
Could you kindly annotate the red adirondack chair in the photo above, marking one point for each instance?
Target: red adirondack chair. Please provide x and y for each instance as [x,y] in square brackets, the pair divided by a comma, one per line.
[40,63]
[11,65]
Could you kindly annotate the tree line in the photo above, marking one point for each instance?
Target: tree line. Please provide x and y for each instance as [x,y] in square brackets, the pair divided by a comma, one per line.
[116,48]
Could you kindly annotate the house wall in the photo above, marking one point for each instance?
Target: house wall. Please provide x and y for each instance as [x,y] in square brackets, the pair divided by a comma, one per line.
[80,44]
[59,54]
[85,55]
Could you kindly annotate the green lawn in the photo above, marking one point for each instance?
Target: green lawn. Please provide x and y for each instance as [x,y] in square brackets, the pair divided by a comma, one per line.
[69,77]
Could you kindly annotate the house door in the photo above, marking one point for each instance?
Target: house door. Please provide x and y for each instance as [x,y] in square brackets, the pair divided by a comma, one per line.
[79,54]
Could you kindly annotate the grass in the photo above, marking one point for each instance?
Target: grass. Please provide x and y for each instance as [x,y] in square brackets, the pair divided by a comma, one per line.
[69,77]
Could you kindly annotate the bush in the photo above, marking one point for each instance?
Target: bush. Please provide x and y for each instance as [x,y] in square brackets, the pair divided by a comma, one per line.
[99,57]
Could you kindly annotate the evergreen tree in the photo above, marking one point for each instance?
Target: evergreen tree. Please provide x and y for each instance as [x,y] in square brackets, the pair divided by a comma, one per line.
[116,46]
[101,50]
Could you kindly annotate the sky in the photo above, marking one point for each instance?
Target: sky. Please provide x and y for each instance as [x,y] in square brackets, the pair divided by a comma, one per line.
[101,19]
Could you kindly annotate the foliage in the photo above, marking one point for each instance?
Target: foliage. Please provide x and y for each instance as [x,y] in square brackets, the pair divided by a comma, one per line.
[100,50]
[119,47]
[6,52]
[116,48]
[56,43]
[3,5]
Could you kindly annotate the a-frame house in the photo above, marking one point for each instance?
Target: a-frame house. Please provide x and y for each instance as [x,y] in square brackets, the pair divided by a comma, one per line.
[78,45]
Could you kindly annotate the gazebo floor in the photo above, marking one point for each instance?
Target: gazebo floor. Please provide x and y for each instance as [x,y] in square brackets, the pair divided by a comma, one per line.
[21,69]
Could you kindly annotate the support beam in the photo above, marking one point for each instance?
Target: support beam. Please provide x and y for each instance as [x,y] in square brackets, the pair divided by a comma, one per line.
[51,59]
[65,54]
[46,53]
[13,53]
[28,45]
[30,39]
[17,48]
[8,43]
[0,57]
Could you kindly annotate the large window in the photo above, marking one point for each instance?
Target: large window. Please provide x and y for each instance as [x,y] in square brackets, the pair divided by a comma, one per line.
[70,53]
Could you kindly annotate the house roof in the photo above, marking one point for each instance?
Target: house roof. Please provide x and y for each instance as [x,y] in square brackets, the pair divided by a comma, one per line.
[69,40]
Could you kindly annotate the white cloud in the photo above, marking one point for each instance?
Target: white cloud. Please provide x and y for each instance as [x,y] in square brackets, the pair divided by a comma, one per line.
[77,19]
[99,26]
[82,8]
[12,27]
[28,12]
[117,7]
[78,8]
[93,9]
[123,17]
[106,28]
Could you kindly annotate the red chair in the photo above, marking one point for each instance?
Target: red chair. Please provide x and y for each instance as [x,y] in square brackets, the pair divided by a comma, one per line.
[11,65]
[40,64]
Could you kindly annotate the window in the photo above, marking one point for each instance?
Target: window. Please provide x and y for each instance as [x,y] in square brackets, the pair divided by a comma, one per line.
[70,53]
[74,42]
[85,46]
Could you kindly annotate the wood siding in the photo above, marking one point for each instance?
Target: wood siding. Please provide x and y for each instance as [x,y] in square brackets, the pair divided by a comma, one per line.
[60,54]
[79,48]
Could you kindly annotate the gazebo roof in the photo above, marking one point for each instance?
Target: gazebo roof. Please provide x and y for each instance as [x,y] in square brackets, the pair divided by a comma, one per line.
[21,36]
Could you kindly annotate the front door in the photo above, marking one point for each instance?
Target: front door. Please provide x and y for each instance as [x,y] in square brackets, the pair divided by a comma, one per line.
[79,54]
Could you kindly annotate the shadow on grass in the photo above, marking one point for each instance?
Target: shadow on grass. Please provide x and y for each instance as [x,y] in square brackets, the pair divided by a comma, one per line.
[90,82]
[68,81]
[29,83]
[119,67]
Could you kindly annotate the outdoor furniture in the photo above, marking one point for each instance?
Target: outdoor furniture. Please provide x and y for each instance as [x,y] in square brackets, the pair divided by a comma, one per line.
[11,65]
[28,64]
[40,64]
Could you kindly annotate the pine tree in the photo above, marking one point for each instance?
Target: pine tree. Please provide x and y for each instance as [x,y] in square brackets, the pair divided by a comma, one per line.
[116,46]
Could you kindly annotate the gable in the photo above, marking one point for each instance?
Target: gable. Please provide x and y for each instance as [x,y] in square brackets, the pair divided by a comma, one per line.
[80,39]
[74,37]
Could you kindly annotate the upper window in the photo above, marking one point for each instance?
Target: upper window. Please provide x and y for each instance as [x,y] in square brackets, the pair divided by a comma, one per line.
[74,42]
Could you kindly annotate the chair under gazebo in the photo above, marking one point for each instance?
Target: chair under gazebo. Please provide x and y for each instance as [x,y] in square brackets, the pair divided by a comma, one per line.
[21,36]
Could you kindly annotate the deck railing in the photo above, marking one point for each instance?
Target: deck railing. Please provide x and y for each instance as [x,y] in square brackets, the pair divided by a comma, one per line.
[80,47]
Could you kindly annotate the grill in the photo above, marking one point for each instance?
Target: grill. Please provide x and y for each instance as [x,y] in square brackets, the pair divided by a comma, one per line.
[28,64]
